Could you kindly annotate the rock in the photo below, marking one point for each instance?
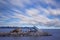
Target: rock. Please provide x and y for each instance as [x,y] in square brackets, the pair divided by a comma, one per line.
[19,32]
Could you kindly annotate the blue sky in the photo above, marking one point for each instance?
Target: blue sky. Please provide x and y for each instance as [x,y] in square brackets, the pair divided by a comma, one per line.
[44,13]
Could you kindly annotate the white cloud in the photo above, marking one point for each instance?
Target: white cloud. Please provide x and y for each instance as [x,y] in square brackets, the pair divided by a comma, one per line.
[54,22]
[44,20]
[3,17]
[34,13]
[54,11]
[49,11]
[20,3]
[37,17]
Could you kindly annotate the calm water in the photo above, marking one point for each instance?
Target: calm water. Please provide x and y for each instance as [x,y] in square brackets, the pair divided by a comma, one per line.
[55,35]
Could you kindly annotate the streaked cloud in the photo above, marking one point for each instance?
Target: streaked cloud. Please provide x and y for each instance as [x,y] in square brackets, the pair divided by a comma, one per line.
[36,12]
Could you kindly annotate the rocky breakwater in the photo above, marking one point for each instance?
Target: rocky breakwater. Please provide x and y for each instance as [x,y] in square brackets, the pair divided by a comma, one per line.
[24,32]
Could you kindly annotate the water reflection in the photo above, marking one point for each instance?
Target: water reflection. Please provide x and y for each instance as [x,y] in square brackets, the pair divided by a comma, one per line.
[20,38]
[25,38]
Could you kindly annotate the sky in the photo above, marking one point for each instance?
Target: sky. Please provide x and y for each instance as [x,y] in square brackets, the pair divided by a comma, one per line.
[40,13]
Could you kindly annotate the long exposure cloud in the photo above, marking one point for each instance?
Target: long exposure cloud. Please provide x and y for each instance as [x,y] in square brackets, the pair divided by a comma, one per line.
[39,12]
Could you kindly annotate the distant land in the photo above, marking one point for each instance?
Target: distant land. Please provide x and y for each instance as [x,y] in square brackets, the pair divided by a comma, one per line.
[14,27]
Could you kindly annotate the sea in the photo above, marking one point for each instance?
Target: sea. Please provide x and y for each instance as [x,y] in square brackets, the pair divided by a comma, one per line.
[55,35]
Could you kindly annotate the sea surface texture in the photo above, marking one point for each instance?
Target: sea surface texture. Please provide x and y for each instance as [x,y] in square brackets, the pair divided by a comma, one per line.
[55,35]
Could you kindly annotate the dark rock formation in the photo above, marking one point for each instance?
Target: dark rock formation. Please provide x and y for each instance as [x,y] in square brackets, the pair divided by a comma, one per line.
[25,32]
